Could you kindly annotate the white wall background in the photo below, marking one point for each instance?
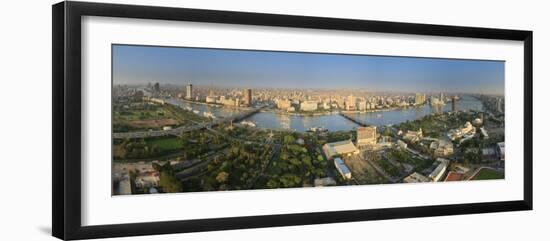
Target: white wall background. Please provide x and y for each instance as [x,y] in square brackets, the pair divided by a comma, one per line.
[25,143]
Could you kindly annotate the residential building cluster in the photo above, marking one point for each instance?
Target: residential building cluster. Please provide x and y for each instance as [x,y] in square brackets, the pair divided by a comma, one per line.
[467,131]
[307,100]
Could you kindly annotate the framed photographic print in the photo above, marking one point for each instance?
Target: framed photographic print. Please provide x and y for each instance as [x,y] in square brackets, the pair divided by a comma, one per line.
[170,120]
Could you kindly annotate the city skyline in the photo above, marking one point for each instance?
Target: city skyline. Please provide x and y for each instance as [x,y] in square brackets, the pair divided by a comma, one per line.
[284,70]
[195,119]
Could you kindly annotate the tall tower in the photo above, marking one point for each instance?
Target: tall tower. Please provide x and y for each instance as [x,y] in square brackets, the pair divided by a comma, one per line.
[156,87]
[441,97]
[454,99]
[189,92]
[248,97]
[419,99]
[350,102]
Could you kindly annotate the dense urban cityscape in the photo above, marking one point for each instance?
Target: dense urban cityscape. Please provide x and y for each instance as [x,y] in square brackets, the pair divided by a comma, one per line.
[200,137]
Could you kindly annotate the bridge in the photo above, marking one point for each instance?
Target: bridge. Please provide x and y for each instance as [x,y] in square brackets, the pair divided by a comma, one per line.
[354,120]
[182,129]
[236,117]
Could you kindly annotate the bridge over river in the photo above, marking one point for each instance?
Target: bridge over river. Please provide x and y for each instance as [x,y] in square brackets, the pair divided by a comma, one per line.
[354,120]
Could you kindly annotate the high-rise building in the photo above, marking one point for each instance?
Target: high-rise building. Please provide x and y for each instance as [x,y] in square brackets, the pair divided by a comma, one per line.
[350,103]
[361,105]
[189,92]
[419,99]
[441,97]
[247,97]
[366,135]
[454,100]
[156,87]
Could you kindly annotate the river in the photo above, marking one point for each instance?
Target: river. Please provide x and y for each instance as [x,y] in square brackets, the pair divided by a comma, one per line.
[333,122]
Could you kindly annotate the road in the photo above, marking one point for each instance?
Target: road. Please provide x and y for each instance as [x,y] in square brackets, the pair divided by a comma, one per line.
[157,133]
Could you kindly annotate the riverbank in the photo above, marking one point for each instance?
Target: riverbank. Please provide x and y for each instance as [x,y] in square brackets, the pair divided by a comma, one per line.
[214,104]
[271,118]
[282,112]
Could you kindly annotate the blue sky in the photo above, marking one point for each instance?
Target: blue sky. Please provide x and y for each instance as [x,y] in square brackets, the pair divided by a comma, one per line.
[256,69]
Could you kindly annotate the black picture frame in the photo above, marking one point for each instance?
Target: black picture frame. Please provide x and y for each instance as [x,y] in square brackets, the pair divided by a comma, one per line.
[66,158]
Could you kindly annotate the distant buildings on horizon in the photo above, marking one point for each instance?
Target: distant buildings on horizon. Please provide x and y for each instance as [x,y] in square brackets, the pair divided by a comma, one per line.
[317,100]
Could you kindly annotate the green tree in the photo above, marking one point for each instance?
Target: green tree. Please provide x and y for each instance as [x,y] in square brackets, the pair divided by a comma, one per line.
[288,139]
[169,183]
[386,132]
[156,166]
[307,160]
[222,177]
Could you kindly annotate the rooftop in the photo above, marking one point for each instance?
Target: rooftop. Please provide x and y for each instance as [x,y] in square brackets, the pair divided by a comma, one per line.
[340,147]
[454,176]
[341,165]
[416,177]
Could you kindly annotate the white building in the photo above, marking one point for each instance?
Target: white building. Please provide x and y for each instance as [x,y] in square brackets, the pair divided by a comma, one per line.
[466,130]
[325,105]
[189,92]
[413,136]
[340,148]
[500,150]
[361,105]
[342,168]
[484,133]
[401,144]
[308,105]
[478,121]
[210,99]
[442,148]
[438,172]
[350,103]
[124,187]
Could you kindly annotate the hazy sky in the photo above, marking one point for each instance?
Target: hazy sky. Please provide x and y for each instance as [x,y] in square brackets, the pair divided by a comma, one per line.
[241,68]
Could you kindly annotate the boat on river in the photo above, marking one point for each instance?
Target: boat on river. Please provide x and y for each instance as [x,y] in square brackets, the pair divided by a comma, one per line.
[317,129]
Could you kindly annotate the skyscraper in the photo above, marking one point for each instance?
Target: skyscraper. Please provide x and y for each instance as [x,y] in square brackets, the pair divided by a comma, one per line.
[419,99]
[441,97]
[156,87]
[350,103]
[247,97]
[189,92]
[454,99]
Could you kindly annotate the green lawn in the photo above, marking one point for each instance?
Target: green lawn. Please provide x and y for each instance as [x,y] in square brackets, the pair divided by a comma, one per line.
[151,112]
[404,157]
[388,167]
[488,174]
[153,117]
[165,144]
